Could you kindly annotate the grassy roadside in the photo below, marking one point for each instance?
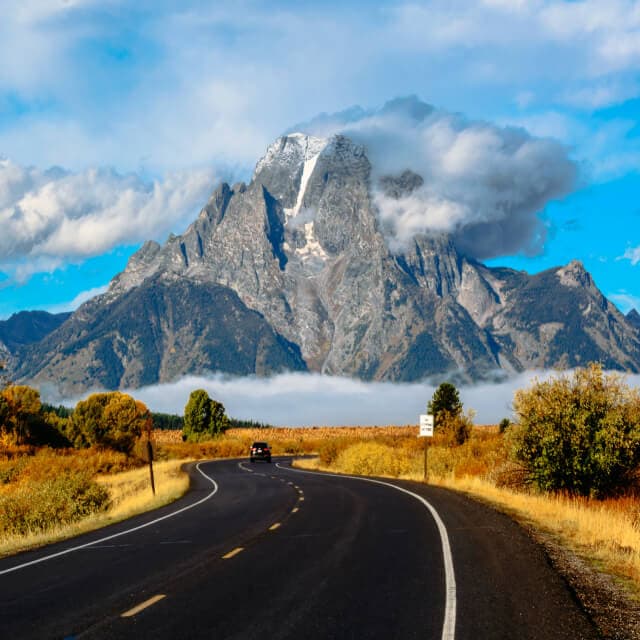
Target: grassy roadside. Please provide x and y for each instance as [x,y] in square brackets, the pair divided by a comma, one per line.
[604,533]
[607,532]
[129,494]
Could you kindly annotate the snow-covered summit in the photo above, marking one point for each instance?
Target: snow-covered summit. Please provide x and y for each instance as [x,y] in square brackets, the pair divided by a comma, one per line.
[291,151]
[286,168]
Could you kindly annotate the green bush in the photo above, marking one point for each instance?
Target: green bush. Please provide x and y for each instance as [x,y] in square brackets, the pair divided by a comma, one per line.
[579,433]
[505,423]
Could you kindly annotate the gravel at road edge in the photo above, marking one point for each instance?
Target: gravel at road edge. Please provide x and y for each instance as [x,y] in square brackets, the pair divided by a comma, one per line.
[614,612]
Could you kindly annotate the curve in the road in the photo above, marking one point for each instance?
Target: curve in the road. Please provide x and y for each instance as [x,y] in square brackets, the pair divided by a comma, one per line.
[449,624]
[120,533]
[316,556]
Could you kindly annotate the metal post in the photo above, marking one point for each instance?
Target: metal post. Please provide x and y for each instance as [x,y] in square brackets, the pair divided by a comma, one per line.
[426,448]
[150,455]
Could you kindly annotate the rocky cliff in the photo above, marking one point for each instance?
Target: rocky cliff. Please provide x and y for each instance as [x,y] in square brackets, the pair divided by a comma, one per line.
[293,271]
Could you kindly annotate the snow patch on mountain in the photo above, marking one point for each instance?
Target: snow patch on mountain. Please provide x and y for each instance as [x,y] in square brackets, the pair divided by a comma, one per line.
[313,147]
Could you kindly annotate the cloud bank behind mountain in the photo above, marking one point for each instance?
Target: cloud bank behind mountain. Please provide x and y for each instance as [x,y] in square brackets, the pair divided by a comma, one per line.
[485,185]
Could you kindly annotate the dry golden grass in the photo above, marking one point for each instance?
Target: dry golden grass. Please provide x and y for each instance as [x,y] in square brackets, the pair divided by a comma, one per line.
[129,493]
[607,531]
[322,433]
[167,436]
[277,434]
[283,440]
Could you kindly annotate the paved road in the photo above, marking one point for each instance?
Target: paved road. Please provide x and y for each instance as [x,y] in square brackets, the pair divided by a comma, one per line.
[257,551]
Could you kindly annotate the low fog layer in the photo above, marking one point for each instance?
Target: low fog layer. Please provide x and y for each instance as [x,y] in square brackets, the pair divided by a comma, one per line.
[310,399]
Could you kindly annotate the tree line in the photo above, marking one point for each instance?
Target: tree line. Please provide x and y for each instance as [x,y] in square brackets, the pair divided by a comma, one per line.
[577,433]
[111,420]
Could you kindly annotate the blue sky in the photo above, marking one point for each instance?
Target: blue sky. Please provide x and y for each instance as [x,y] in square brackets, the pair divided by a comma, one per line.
[117,119]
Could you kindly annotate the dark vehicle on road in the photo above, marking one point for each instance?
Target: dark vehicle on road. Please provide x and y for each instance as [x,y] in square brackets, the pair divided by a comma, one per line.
[260,451]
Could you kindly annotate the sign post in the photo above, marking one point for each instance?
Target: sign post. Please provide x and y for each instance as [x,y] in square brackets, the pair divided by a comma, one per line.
[150,456]
[426,432]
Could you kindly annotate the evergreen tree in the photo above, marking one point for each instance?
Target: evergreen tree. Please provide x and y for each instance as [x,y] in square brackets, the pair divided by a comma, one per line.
[445,398]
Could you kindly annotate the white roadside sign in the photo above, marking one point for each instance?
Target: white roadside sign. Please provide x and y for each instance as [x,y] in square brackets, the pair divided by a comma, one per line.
[426,426]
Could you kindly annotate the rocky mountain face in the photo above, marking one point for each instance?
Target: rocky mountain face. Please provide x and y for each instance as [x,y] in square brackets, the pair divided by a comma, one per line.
[633,318]
[292,271]
[156,332]
[27,327]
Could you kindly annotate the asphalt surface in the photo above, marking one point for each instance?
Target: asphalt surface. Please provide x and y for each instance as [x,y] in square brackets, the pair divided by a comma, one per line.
[261,550]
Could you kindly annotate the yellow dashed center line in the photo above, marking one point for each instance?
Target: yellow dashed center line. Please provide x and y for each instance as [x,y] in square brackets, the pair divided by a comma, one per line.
[142,606]
[301,499]
[295,510]
[235,552]
[275,526]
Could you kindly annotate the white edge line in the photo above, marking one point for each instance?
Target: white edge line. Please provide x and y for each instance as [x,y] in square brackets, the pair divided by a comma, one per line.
[121,533]
[449,624]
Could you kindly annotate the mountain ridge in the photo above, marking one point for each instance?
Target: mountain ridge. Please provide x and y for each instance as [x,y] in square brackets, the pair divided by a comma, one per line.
[302,245]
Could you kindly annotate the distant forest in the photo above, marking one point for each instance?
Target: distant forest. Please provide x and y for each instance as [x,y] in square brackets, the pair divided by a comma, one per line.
[163,420]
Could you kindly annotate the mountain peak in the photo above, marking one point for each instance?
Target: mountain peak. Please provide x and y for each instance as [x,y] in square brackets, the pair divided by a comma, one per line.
[575,275]
[287,165]
[633,317]
[302,259]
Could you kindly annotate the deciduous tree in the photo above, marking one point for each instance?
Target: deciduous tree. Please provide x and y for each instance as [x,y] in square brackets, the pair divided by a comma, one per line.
[112,420]
[21,411]
[579,433]
[203,417]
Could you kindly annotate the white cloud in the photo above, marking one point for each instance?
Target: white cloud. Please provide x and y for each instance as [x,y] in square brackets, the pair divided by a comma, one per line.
[483,184]
[604,36]
[550,124]
[224,80]
[82,297]
[603,94]
[632,254]
[625,300]
[309,399]
[606,151]
[611,29]
[221,82]
[53,216]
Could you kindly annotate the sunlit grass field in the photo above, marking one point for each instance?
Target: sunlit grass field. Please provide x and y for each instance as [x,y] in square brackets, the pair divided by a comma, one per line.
[48,495]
